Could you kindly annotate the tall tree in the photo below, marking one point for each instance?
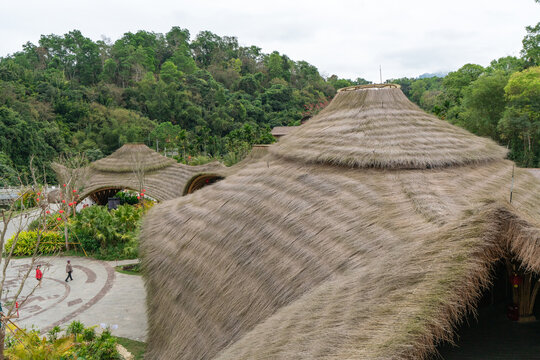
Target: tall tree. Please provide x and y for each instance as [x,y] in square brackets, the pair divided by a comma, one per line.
[521,121]
[531,45]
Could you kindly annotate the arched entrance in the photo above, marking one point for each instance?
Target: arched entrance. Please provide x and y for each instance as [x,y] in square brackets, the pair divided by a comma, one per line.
[504,325]
[101,196]
[201,181]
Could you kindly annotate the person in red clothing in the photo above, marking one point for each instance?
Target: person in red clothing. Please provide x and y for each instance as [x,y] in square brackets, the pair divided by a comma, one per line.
[39,275]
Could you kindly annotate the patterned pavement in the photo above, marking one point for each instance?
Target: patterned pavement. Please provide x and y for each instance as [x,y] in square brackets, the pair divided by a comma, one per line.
[97,295]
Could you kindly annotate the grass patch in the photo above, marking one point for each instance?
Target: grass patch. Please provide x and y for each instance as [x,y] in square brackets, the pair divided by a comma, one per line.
[108,254]
[137,348]
[130,269]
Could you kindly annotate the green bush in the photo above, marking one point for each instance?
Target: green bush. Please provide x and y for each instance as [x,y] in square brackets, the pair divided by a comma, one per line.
[53,224]
[127,197]
[102,347]
[78,343]
[89,244]
[96,226]
[26,200]
[50,243]
[199,160]
[75,328]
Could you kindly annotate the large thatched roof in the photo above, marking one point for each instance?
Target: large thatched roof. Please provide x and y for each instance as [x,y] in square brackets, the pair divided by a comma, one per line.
[380,127]
[319,251]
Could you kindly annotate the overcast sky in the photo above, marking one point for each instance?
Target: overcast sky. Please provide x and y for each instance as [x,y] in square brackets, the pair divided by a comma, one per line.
[347,38]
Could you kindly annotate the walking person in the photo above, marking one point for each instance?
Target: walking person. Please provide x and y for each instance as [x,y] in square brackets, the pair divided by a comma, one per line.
[69,270]
[39,275]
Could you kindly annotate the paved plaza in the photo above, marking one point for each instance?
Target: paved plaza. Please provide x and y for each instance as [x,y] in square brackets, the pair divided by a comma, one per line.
[97,295]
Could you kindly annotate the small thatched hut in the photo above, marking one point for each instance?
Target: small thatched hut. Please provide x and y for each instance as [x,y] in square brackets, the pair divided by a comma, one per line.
[368,233]
[136,166]
[279,131]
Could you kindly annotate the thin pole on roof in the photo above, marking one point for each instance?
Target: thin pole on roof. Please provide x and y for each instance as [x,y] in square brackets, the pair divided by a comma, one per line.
[380,73]
[512,187]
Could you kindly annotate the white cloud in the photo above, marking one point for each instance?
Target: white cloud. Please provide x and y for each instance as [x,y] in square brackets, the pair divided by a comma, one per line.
[347,38]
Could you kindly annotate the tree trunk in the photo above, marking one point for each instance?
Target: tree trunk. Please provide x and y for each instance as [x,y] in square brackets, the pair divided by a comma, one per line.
[2,339]
[66,235]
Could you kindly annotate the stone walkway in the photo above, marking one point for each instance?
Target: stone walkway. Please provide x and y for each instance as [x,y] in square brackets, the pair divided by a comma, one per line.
[97,295]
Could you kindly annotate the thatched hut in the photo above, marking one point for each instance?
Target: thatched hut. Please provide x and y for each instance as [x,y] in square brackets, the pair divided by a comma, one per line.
[136,166]
[280,131]
[368,233]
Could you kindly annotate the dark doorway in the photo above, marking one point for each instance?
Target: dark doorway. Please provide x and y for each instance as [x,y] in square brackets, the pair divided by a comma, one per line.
[492,335]
[101,197]
[200,182]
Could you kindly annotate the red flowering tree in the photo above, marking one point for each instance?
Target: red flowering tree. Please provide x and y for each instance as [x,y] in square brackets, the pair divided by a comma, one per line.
[313,109]
[73,175]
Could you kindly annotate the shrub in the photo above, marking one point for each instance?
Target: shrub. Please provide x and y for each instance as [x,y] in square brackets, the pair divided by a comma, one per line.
[126,197]
[102,348]
[53,224]
[200,160]
[29,345]
[50,243]
[97,225]
[26,200]
[75,328]
[88,243]
[53,333]
[89,334]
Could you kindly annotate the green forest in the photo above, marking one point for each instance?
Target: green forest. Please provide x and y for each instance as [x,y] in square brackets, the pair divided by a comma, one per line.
[500,101]
[211,98]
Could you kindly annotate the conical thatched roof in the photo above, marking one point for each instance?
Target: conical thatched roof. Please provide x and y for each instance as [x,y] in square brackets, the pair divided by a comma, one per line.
[379,127]
[130,157]
[301,256]
[162,177]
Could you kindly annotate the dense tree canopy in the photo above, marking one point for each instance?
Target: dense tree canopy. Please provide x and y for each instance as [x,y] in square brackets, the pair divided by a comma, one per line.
[206,96]
[501,101]
[212,97]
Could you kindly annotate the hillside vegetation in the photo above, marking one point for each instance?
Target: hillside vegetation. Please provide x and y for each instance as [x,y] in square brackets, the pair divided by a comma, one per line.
[206,96]
[209,97]
[500,101]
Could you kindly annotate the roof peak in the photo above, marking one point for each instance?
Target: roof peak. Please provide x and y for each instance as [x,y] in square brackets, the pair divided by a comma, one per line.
[377,126]
[132,156]
[370,87]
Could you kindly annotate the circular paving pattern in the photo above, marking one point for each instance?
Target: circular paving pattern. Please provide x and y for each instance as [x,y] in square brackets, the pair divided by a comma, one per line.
[57,302]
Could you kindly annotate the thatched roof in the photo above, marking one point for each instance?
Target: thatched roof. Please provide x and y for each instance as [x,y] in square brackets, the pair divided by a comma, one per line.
[380,127]
[280,131]
[535,172]
[164,178]
[335,255]
[130,157]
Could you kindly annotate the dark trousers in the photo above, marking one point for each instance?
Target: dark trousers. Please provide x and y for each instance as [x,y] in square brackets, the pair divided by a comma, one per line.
[69,276]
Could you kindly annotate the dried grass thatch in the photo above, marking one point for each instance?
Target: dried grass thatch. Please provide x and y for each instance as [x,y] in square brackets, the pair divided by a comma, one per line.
[293,259]
[132,156]
[166,180]
[280,131]
[380,127]
[134,165]
[535,172]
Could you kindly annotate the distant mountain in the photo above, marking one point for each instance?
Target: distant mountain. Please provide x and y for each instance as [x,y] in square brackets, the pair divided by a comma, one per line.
[430,75]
